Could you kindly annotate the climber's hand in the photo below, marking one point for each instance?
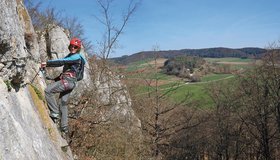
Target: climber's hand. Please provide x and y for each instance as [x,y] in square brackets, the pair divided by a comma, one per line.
[43,65]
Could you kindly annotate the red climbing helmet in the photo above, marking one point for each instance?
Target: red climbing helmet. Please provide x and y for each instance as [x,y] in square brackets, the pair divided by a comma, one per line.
[76,42]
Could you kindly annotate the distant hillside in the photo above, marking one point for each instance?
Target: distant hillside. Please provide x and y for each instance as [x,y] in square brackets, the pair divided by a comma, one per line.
[207,52]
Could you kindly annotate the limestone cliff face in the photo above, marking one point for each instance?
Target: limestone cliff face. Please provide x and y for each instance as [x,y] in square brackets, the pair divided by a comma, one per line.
[54,43]
[13,53]
[107,86]
[26,131]
[111,92]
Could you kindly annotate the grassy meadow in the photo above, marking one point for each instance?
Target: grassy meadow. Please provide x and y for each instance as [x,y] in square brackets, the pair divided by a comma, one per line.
[147,77]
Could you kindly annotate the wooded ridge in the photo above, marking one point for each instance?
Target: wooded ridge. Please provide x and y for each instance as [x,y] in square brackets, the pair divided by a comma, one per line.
[219,52]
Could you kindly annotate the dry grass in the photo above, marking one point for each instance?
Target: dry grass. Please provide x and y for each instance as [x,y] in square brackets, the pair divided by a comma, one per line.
[236,63]
[42,109]
[159,62]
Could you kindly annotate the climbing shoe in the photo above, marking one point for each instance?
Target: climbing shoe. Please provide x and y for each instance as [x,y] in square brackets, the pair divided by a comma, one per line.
[65,134]
[55,120]
[64,129]
[54,117]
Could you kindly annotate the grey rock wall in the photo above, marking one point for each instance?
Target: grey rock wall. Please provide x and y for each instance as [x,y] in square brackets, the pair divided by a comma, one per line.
[24,134]
[12,36]
[54,42]
[18,43]
[111,92]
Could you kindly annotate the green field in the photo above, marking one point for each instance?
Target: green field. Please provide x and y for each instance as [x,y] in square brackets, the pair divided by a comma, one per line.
[228,59]
[177,89]
[178,92]
[137,65]
[234,63]
[197,94]
[215,77]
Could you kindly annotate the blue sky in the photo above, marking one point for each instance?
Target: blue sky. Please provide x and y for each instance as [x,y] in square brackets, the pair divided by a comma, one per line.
[181,24]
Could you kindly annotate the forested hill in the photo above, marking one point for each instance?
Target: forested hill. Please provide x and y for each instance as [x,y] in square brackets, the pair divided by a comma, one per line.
[207,52]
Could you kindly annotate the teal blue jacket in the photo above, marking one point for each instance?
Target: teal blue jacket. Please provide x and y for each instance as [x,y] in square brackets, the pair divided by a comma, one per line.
[70,63]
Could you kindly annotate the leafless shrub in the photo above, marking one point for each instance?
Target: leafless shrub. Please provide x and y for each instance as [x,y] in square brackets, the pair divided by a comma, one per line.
[41,19]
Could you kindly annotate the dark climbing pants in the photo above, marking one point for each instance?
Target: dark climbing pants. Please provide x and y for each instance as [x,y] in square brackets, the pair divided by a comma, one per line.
[64,87]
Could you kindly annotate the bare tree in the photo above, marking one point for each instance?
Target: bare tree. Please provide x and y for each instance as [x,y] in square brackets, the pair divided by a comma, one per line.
[265,86]
[113,140]
[271,74]
[227,129]
[246,115]
[42,18]
[112,31]
[164,123]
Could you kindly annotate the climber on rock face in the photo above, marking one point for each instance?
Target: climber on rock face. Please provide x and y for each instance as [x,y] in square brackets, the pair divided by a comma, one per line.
[73,70]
